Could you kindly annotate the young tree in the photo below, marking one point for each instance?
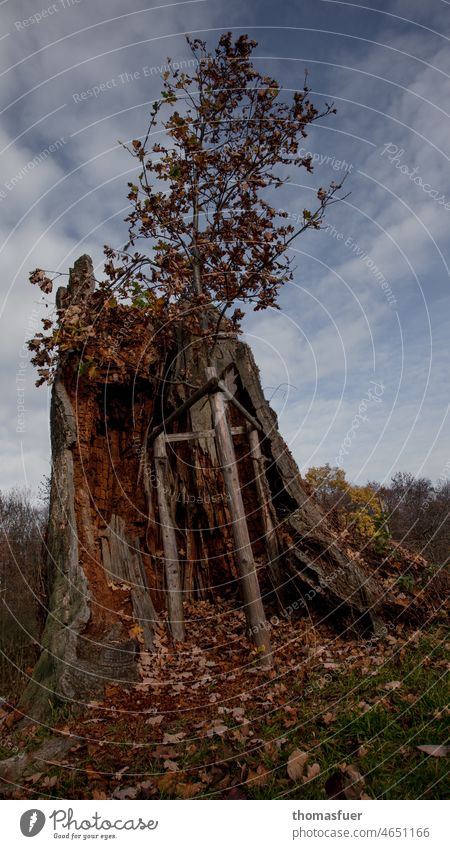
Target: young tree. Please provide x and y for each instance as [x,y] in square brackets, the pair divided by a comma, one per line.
[203,199]
[203,231]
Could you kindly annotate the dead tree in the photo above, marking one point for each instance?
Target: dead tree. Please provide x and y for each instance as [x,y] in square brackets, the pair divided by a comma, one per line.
[157,498]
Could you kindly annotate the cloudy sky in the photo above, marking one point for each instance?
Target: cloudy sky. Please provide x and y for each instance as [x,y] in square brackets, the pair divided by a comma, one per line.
[356,362]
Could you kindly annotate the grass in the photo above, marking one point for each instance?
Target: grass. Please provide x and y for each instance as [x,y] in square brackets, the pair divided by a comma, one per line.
[371,714]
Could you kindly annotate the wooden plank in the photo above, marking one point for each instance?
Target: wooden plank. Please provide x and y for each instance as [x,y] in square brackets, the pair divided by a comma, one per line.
[268,518]
[208,387]
[172,565]
[254,610]
[143,609]
[123,563]
[199,434]
[233,400]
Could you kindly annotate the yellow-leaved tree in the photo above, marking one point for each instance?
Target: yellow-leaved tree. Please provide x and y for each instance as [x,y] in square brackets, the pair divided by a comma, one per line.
[355,508]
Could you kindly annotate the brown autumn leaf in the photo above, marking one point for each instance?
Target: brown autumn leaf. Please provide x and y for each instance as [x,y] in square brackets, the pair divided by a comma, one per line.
[188,791]
[328,718]
[35,777]
[218,728]
[125,793]
[347,783]
[312,772]
[154,720]
[98,794]
[174,738]
[171,766]
[296,764]
[92,773]
[393,685]
[12,717]
[258,777]
[435,751]
[238,713]
[167,783]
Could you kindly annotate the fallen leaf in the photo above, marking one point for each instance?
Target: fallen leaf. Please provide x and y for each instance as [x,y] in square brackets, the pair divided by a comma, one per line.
[171,766]
[312,772]
[167,783]
[348,783]
[296,764]
[393,685]
[35,777]
[92,773]
[174,738]
[188,791]
[258,777]
[164,752]
[328,718]
[125,793]
[146,785]
[154,720]
[238,713]
[435,751]
[218,728]
[98,794]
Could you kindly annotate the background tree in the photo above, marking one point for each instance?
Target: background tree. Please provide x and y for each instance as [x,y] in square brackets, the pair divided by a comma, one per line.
[358,509]
[419,514]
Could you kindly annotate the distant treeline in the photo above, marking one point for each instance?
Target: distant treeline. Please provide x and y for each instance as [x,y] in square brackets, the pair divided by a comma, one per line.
[22,586]
[413,511]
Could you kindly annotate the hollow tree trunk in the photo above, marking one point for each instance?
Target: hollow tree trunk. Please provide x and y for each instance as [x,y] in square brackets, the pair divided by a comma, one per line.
[99,426]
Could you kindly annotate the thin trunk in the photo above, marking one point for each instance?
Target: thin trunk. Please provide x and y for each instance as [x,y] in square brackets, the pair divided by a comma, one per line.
[172,566]
[254,610]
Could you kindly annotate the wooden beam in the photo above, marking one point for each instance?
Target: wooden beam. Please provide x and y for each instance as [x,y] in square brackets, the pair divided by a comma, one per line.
[172,565]
[268,517]
[254,611]
[200,434]
[230,397]
[208,387]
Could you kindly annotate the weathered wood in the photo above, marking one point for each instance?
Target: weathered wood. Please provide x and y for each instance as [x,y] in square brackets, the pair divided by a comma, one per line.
[233,400]
[254,610]
[208,387]
[122,562]
[269,519]
[199,434]
[347,584]
[172,565]
[143,609]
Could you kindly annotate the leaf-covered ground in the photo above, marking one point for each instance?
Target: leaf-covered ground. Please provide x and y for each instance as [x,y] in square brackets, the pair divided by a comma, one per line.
[339,716]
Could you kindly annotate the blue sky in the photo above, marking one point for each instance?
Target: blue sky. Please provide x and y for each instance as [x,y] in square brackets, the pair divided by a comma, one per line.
[356,362]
